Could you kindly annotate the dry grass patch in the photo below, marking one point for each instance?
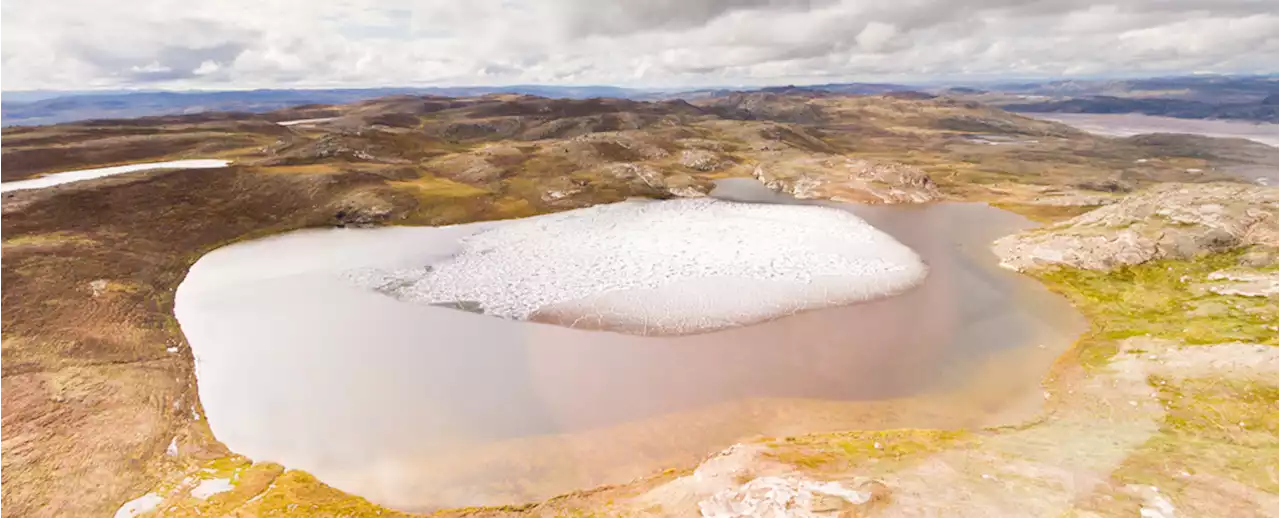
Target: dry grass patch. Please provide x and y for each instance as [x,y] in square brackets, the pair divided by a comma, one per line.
[50,239]
[302,169]
[434,188]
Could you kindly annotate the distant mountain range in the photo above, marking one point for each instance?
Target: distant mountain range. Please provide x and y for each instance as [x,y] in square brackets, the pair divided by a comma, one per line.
[1199,97]
[1250,98]
[44,107]
[1263,110]
[35,108]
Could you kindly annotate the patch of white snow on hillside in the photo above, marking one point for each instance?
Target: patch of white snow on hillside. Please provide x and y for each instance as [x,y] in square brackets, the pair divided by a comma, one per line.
[689,264]
[89,174]
[210,487]
[141,505]
[303,122]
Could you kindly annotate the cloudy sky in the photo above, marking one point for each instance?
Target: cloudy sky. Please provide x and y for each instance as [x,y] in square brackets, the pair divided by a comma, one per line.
[221,44]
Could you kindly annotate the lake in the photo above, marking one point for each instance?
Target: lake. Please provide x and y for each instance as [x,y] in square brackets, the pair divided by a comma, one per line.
[1129,124]
[420,407]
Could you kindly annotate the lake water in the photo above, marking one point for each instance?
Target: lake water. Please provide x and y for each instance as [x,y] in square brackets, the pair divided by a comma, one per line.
[420,407]
[1129,124]
[1257,168]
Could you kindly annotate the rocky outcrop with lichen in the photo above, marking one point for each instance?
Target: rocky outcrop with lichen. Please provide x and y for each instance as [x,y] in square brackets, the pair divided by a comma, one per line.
[849,179]
[1166,221]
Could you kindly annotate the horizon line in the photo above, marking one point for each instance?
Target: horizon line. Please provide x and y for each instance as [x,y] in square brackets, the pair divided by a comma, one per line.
[929,82]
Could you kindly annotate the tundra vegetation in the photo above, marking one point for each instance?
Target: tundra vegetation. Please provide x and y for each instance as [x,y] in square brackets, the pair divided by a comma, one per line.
[1168,401]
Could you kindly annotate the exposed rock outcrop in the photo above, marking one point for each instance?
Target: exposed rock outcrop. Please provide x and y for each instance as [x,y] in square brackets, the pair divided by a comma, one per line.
[1247,283]
[357,147]
[362,209]
[743,482]
[700,160]
[849,179]
[1166,221]
[675,184]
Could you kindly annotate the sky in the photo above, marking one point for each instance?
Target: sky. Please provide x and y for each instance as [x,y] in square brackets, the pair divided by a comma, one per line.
[233,44]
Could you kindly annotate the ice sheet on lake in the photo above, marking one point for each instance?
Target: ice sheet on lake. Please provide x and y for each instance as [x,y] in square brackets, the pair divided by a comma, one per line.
[684,265]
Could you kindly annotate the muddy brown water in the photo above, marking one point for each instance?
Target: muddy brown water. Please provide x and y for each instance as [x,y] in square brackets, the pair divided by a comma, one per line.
[421,407]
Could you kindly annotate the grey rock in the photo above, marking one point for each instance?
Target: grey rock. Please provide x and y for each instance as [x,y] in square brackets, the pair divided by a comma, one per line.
[1166,221]
[1259,258]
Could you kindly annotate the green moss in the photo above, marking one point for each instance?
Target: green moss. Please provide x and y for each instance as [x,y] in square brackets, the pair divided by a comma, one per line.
[296,493]
[1217,427]
[1222,428]
[224,467]
[849,450]
[1158,299]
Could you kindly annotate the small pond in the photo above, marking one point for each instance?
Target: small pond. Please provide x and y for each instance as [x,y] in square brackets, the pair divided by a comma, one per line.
[421,407]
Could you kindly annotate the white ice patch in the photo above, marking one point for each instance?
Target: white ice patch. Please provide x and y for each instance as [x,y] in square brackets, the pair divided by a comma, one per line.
[305,122]
[689,264]
[210,487]
[141,505]
[89,174]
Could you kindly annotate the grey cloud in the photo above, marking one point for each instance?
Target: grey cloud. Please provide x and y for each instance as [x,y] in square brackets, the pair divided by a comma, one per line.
[252,43]
[592,17]
[182,62]
[158,52]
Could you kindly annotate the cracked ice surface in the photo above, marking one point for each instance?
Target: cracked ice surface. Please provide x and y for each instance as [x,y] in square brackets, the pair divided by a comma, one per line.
[676,265]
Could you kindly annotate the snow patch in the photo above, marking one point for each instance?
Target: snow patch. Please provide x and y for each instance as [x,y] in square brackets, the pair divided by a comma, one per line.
[684,265]
[303,122]
[1154,504]
[141,505]
[210,487]
[89,174]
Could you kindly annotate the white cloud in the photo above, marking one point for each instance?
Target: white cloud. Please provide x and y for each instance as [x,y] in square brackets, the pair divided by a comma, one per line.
[206,68]
[76,44]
